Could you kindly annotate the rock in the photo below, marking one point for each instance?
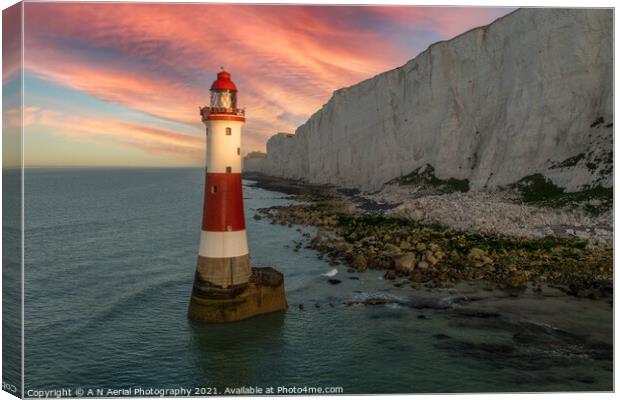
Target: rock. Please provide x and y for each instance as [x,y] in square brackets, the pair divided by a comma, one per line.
[582,234]
[301,307]
[421,247]
[360,263]
[441,336]
[405,263]
[417,276]
[391,249]
[469,312]
[374,301]
[317,305]
[316,240]
[404,245]
[423,265]
[391,275]
[416,215]
[334,281]
[484,351]
[476,254]
[345,248]
[430,259]
[518,280]
[257,217]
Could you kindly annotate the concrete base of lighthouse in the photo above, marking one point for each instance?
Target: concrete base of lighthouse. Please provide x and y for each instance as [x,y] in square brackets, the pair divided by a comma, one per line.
[263,294]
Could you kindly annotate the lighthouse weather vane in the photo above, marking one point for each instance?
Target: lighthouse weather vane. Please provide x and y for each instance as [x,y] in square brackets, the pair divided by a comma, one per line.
[226,287]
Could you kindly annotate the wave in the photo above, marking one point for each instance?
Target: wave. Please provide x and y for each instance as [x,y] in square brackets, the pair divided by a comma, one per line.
[122,304]
[331,273]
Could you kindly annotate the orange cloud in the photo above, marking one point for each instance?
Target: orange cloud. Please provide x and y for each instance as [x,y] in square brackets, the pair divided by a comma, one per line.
[150,139]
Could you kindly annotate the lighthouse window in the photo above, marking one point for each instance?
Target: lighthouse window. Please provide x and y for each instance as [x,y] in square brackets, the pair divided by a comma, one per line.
[238,151]
[228,131]
[213,189]
[228,170]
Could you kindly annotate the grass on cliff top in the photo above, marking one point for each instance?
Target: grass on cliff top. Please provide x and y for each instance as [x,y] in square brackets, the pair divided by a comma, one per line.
[424,177]
[536,189]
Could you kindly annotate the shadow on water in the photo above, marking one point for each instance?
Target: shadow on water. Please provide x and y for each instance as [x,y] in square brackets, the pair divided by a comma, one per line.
[239,353]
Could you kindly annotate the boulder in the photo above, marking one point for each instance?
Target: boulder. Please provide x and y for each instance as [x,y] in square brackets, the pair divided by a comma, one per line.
[405,263]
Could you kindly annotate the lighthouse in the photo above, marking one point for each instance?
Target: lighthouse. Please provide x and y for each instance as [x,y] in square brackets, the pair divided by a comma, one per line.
[226,287]
[223,259]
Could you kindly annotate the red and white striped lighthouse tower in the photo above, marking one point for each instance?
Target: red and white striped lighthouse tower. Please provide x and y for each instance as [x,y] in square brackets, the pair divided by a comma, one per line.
[223,260]
[226,287]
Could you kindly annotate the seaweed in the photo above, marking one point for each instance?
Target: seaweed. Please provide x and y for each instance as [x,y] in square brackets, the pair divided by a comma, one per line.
[424,177]
[536,188]
[539,190]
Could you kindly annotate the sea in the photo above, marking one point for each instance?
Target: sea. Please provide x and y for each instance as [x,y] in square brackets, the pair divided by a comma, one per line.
[110,256]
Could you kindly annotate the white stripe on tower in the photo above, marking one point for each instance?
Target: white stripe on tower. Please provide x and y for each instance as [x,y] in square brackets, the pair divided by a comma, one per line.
[224,150]
[223,244]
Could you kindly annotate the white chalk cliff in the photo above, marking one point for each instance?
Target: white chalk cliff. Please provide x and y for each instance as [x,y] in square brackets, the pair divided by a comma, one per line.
[530,93]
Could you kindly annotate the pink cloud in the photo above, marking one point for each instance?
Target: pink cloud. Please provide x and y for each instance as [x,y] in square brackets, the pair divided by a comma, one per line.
[11,42]
[161,58]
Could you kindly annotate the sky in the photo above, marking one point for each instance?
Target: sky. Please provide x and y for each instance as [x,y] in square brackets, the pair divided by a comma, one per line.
[120,84]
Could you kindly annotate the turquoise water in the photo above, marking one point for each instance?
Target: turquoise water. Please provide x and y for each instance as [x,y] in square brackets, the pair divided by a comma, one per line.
[110,258]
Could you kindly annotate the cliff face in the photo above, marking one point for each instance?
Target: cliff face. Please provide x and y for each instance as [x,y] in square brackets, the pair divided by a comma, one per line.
[530,93]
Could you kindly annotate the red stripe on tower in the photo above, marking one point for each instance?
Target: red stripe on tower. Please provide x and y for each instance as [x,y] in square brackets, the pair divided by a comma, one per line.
[223,204]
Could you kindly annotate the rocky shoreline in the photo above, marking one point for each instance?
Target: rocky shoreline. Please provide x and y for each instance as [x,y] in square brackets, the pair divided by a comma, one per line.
[359,232]
[498,212]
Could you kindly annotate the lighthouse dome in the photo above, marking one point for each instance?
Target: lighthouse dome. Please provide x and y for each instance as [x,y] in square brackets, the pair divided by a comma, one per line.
[223,82]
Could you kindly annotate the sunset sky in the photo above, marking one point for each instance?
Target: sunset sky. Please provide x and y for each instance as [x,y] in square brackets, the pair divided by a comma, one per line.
[120,84]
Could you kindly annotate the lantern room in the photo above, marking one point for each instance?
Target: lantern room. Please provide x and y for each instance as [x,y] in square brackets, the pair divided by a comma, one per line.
[223,100]
[224,93]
